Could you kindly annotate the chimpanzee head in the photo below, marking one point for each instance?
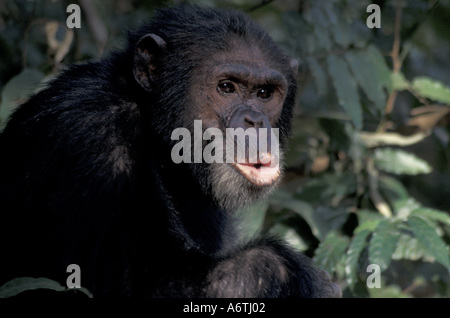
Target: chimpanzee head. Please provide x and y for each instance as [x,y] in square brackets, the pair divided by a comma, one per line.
[223,72]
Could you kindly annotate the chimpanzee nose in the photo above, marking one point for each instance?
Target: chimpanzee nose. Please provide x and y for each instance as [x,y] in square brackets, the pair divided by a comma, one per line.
[254,120]
[248,118]
[255,148]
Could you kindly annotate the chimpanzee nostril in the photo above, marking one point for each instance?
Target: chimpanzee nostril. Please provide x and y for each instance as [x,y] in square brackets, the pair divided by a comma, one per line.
[254,119]
[248,118]
[249,122]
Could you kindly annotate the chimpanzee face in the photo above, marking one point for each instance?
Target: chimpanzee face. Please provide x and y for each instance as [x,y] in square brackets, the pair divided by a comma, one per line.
[237,91]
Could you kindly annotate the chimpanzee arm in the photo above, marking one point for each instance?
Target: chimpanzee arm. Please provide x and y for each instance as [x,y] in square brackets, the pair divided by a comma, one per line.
[268,268]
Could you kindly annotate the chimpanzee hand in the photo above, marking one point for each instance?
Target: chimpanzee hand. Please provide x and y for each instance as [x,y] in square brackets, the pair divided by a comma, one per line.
[268,268]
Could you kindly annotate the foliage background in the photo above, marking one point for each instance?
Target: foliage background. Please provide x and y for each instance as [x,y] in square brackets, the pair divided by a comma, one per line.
[368,171]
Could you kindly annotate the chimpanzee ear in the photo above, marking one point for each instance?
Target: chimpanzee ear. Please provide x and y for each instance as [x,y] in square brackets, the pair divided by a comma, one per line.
[146,55]
[294,66]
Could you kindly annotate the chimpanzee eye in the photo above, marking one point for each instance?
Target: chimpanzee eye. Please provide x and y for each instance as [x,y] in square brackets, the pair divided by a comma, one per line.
[264,93]
[226,88]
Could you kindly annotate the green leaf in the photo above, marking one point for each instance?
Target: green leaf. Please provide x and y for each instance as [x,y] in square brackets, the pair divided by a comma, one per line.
[383,244]
[408,248]
[357,245]
[432,214]
[399,82]
[285,200]
[398,161]
[368,220]
[429,88]
[322,39]
[346,88]
[18,285]
[328,187]
[404,207]
[315,15]
[381,70]
[330,251]
[21,284]
[294,22]
[306,211]
[330,218]
[430,240]
[362,67]
[319,76]
[366,215]
[391,291]
[392,188]
[321,219]
[336,130]
[329,10]
[342,33]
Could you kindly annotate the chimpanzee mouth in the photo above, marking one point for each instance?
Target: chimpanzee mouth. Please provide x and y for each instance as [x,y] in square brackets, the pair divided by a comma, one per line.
[259,174]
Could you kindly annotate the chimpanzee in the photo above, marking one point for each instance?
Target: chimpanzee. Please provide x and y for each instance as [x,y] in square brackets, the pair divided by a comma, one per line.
[88,175]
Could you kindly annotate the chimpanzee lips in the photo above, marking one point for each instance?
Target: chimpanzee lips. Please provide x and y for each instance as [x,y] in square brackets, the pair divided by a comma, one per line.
[259,174]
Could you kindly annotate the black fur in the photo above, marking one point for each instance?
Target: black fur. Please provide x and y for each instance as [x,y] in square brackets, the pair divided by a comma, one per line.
[87,179]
